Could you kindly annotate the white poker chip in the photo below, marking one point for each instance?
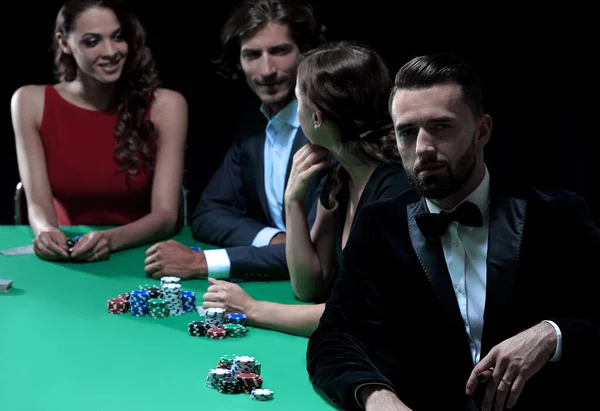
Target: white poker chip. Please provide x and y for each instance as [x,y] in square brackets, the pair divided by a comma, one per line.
[214,312]
[244,359]
[261,394]
[220,371]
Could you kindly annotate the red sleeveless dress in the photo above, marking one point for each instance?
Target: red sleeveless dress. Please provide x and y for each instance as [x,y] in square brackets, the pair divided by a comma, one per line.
[86,185]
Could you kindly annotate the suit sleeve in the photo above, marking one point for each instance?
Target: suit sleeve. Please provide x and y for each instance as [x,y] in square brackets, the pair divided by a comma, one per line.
[269,263]
[579,322]
[337,359]
[221,216]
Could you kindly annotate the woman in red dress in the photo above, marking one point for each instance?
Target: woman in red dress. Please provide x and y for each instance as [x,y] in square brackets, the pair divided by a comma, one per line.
[104,146]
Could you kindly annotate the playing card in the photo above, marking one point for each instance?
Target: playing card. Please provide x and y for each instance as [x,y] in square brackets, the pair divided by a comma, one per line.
[5,285]
[26,249]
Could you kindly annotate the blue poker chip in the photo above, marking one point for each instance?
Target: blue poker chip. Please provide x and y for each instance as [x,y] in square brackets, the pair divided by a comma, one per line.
[236,318]
[195,248]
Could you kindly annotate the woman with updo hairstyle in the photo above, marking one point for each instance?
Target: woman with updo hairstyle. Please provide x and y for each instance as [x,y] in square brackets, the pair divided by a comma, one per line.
[104,145]
[342,90]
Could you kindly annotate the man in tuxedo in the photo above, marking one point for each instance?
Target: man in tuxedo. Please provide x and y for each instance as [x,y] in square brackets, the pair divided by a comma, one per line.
[241,209]
[468,292]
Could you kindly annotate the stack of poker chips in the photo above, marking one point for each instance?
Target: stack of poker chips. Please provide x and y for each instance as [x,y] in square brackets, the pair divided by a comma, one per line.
[153,291]
[156,305]
[218,326]
[214,317]
[238,374]
[249,382]
[172,295]
[138,303]
[154,301]
[217,333]
[197,329]
[189,301]
[215,375]
[236,318]
[214,320]
[226,361]
[235,330]
[242,365]
[229,384]
[119,305]
[169,280]
[157,308]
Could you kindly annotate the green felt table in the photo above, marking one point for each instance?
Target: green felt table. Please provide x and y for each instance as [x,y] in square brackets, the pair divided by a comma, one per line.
[61,350]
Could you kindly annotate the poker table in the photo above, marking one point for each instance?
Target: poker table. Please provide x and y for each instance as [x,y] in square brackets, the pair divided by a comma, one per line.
[60,349]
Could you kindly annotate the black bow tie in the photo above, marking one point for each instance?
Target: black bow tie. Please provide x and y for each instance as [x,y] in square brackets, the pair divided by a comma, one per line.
[434,225]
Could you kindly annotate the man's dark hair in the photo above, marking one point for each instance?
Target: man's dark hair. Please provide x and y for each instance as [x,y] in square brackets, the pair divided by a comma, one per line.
[251,16]
[434,69]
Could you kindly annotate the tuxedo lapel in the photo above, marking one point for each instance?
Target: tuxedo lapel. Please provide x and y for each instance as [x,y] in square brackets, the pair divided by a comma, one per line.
[431,256]
[299,141]
[507,220]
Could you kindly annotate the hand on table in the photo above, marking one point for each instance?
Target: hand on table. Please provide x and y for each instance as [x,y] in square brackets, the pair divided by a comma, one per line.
[513,361]
[93,246]
[227,295]
[307,161]
[51,245]
[171,258]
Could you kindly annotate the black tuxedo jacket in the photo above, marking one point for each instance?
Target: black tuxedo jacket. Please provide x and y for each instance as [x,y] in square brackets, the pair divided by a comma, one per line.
[233,207]
[393,317]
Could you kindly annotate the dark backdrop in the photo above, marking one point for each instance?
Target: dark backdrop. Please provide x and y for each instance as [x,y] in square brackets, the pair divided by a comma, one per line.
[534,67]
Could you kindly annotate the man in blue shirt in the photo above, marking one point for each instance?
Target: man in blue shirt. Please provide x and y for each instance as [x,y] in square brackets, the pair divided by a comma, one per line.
[241,208]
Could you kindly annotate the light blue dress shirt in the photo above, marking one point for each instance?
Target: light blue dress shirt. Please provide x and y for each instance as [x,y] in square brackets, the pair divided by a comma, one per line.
[280,133]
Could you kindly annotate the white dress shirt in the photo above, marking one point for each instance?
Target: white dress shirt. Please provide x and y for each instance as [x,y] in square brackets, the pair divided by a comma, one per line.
[465,251]
[280,133]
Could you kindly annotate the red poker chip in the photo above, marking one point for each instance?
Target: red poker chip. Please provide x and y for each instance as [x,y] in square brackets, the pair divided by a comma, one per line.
[250,381]
[216,333]
[117,306]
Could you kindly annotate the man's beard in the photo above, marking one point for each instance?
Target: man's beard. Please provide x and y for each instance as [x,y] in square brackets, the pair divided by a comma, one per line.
[440,186]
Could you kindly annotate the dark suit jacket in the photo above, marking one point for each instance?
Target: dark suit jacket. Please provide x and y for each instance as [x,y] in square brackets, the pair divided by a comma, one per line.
[233,207]
[393,316]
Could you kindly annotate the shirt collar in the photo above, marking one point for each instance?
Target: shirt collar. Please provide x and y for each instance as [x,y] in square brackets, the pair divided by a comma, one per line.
[480,196]
[287,115]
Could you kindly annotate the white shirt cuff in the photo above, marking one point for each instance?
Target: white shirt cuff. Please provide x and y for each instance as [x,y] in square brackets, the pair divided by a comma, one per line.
[264,236]
[218,264]
[357,398]
[558,351]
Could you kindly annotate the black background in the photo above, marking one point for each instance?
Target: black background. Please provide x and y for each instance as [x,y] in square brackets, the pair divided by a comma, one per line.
[536,67]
